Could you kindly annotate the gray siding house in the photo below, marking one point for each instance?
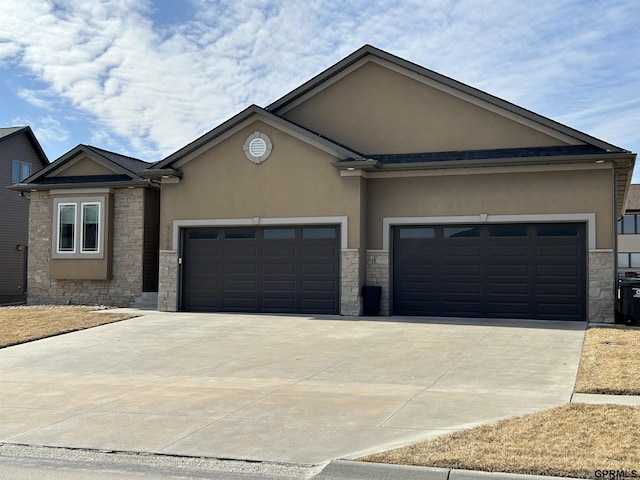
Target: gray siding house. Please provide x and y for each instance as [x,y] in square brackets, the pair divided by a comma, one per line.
[20,157]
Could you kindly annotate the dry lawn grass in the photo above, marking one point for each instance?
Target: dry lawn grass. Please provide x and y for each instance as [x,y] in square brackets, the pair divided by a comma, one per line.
[574,440]
[610,362]
[23,324]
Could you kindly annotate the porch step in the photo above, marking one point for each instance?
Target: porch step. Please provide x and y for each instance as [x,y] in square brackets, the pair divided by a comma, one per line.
[146,301]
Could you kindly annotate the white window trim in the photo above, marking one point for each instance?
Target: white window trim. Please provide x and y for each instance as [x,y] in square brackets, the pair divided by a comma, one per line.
[78,252]
[589,218]
[58,225]
[343,221]
[99,229]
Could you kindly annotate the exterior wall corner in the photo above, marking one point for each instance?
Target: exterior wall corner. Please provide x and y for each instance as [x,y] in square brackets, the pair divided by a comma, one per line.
[168,281]
[350,298]
[601,279]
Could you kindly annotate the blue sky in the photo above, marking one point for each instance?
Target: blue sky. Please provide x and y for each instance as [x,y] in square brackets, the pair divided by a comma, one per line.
[145,77]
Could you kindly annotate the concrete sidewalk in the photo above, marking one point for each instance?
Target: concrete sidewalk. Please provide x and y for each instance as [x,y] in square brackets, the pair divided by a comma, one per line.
[279,388]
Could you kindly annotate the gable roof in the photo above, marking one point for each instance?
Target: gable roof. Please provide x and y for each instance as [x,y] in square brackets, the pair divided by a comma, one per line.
[237,122]
[8,132]
[125,171]
[316,83]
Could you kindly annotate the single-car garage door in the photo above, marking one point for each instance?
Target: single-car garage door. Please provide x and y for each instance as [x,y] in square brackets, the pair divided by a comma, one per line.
[533,271]
[274,270]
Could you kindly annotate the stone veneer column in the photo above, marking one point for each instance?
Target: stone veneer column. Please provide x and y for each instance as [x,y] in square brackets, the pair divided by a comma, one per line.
[601,286]
[378,274]
[350,299]
[168,281]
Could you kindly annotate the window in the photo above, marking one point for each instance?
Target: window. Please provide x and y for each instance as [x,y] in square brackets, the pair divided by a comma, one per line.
[418,232]
[78,227]
[557,230]
[629,224]
[279,233]
[460,232]
[67,227]
[629,260]
[90,226]
[318,232]
[20,171]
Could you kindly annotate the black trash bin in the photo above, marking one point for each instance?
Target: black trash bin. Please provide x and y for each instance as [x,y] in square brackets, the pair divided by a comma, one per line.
[371,296]
[630,301]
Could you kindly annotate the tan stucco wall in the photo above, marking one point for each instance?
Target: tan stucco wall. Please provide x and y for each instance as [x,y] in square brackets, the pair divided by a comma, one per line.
[376,110]
[586,191]
[297,180]
[83,166]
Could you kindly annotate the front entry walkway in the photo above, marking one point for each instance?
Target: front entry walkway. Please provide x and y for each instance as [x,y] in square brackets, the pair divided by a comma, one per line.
[279,388]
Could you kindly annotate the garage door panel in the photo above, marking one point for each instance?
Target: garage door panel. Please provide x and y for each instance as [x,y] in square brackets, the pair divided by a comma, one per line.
[279,252]
[523,271]
[508,251]
[508,288]
[271,286]
[499,270]
[240,269]
[239,304]
[279,269]
[278,305]
[328,269]
[509,309]
[558,251]
[271,269]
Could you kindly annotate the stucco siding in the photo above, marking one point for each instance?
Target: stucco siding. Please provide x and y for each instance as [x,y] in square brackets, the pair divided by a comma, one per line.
[383,111]
[297,180]
[533,193]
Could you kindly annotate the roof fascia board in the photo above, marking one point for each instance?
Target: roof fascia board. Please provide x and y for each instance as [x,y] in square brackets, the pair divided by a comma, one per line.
[518,161]
[75,155]
[274,121]
[477,170]
[436,80]
[25,187]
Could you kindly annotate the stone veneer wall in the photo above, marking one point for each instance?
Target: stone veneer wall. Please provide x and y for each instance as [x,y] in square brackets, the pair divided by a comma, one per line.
[126,283]
[168,281]
[378,274]
[601,278]
[350,299]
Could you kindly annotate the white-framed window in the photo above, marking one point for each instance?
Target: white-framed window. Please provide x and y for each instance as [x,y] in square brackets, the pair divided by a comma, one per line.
[78,228]
[19,171]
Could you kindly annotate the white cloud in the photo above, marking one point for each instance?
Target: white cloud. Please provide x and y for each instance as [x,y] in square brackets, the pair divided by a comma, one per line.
[159,86]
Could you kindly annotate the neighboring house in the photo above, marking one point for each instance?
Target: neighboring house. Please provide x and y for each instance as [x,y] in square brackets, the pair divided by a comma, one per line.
[629,236]
[94,230]
[380,172]
[20,156]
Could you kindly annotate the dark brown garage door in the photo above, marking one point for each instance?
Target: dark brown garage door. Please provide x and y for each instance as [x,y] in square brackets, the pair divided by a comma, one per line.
[271,270]
[491,271]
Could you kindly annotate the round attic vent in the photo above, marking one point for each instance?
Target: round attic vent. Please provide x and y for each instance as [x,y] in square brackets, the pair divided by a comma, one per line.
[257,147]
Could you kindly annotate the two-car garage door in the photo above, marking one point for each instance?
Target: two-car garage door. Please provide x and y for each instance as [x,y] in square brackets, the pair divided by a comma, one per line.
[533,271]
[267,269]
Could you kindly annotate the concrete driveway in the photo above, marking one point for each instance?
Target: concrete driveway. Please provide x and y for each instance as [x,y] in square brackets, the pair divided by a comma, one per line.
[279,388]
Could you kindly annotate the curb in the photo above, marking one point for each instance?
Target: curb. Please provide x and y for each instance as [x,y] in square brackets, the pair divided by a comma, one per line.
[346,469]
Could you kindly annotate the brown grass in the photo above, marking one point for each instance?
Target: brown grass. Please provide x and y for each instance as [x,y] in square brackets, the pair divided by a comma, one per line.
[24,324]
[610,362]
[574,440]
